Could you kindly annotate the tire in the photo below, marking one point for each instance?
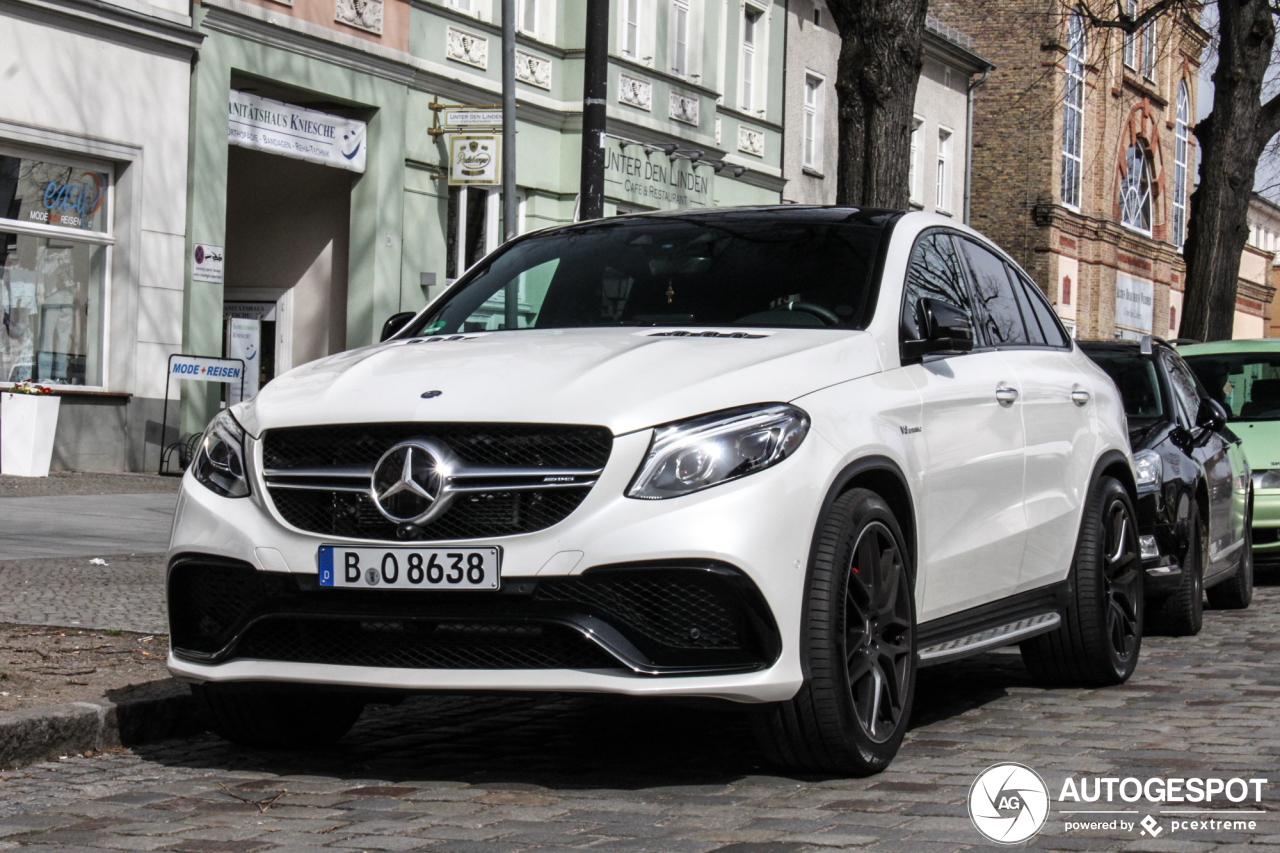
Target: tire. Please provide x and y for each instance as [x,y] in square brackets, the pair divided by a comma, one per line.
[276,720]
[1100,637]
[857,645]
[1182,613]
[1237,592]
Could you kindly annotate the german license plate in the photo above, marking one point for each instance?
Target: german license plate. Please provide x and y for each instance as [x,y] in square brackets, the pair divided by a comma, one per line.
[409,568]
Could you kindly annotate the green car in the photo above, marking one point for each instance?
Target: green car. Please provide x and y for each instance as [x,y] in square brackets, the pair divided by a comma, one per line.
[1244,376]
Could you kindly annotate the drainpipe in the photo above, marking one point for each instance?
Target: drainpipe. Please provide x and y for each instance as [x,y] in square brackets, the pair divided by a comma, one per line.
[968,143]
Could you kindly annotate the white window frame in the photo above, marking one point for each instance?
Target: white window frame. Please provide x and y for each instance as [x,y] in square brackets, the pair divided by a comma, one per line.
[462,6]
[1071,188]
[1130,39]
[815,114]
[1149,43]
[106,239]
[1135,191]
[942,200]
[915,174]
[1181,146]
[631,16]
[680,15]
[528,13]
[752,17]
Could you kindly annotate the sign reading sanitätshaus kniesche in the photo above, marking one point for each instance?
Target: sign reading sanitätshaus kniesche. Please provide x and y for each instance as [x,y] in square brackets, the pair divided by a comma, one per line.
[278,128]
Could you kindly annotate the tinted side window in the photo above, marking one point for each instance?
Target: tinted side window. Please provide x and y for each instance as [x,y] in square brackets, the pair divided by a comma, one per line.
[1054,335]
[1000,317]
[1184,387]
[934,273]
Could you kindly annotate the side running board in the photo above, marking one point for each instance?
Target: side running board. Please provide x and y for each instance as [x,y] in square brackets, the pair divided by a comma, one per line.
[1001,635]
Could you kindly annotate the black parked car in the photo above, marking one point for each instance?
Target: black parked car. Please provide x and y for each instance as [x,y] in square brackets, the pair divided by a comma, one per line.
[1194,486]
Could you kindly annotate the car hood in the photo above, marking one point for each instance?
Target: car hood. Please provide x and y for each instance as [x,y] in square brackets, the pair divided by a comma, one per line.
[624,379]
[1261,442]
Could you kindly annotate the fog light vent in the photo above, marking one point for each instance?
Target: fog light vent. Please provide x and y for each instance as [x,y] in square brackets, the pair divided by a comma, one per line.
[1149,547]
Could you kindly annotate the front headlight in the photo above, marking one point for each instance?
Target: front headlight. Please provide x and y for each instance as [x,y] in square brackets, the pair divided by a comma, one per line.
[219,464]
[1149,468]
[692,455]
[1266,479]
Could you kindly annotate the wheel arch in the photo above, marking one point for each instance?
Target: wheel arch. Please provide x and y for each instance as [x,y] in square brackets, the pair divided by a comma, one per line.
[1114,463]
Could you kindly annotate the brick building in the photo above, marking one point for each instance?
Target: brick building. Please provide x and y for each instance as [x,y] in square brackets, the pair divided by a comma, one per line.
[1083,157]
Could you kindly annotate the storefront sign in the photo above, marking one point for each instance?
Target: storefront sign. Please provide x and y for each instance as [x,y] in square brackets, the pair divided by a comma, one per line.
[472,118]
[204,369]
[206,263]
[1135,299]
[475,160]
[244,342]
[266,125]
[653,180]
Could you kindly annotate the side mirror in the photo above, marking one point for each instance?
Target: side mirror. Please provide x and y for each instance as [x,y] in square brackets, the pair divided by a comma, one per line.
[945,327]
[1212,415]
[395,323]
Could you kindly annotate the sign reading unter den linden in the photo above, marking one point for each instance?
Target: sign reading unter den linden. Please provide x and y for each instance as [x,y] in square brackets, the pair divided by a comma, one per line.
[266,125]
[653,179]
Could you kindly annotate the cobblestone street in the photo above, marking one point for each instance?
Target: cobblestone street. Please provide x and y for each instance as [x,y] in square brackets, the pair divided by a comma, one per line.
[554,772]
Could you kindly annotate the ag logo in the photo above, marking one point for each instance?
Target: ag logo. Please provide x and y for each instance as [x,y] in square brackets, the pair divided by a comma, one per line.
[1008,803]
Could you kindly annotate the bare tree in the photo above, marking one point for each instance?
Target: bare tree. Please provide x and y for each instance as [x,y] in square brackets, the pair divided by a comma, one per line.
[882,42]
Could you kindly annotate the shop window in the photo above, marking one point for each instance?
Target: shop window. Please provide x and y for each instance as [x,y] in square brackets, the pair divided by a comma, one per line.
[54,250]
[1135,189]
[1180,142]
[1073,112]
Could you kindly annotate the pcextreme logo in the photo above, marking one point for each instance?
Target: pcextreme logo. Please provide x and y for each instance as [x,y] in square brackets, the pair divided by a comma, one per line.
[1008,803]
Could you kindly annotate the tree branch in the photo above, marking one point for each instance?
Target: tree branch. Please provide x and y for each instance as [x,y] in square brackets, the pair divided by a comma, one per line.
[1123,20]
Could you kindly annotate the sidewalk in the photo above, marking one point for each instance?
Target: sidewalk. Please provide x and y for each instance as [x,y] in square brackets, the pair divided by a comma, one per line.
[83,645]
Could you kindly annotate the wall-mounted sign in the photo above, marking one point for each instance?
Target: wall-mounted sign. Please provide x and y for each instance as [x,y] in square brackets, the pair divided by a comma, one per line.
[654,180]
[244,343]
[266,125]
[474,160]
[462,117]
[206,263]
[1135,300]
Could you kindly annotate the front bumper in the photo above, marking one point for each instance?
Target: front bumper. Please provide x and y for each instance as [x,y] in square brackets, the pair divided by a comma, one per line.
[755,531]
[1162,542]
[1266,526]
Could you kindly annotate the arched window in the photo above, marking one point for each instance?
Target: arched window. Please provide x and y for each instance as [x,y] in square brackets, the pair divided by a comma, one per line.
[1073,111]
[1135,189]
[1180,130]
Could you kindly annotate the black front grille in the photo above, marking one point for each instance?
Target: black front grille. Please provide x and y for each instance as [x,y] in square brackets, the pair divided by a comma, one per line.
[646,618]
[408,643]
[493,445]
[473,515]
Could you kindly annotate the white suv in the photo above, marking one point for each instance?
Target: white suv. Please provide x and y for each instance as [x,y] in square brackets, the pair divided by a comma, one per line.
[780,456]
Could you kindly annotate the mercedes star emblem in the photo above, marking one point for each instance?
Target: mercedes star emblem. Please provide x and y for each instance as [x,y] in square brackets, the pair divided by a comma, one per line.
[410,482]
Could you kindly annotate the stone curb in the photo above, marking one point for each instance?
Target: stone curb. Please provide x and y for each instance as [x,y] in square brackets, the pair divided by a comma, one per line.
[160,711]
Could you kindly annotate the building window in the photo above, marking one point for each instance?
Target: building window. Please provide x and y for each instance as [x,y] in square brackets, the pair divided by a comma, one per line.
[631,28]
[1180,141]
[1130,39]
[1066,290]
[750,21]
[529,17]
[817,15]
[1173,318]
[1135,189]
[1149,50]
[680,37]
[915,178]
[1073,112]
[461,5]
[814,121]
[943,199]
[55,243]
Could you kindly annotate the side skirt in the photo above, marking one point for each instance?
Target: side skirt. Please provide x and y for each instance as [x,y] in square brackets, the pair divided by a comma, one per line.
[989,626]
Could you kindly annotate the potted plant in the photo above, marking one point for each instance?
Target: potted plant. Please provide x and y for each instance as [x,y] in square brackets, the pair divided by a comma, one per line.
[28,421]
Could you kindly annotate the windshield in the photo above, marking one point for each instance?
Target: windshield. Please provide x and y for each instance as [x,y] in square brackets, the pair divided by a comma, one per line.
[1139,386]
[746,270]
[1247,383]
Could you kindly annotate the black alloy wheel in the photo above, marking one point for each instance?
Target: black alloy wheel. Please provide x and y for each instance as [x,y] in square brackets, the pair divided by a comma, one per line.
[877,632]
[1181,613]
[857,647]
[1100,637]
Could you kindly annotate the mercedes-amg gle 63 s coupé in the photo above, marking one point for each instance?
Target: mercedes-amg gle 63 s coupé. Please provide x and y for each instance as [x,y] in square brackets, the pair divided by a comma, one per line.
[780,456]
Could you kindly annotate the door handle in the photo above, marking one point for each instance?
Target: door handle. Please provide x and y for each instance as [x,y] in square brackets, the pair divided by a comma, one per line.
[1006,395]
[1079,396]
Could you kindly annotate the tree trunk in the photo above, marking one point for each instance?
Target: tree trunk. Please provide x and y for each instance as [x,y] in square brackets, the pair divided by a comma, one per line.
[1231,141]
[880,58]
